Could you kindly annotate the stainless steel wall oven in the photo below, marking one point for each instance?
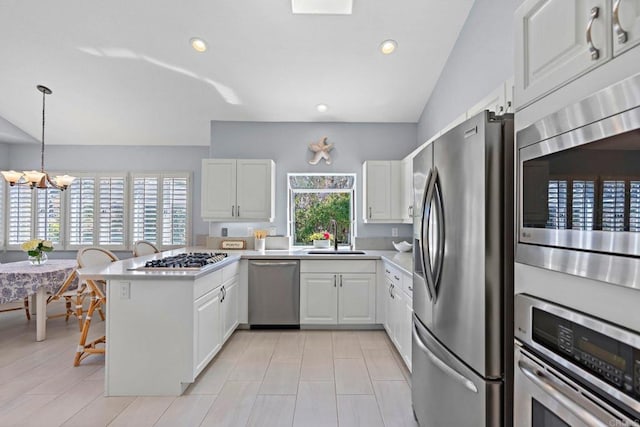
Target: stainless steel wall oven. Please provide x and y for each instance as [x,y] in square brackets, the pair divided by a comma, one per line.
[579,188]
[572,369]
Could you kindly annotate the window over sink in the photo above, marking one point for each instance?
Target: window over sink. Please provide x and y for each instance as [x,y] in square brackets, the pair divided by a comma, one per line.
[316,199]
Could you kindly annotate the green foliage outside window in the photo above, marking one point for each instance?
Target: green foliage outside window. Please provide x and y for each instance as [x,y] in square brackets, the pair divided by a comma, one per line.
[314,212]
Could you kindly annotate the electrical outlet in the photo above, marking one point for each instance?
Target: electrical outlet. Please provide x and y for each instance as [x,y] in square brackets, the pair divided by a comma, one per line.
[394,232]
[125,290]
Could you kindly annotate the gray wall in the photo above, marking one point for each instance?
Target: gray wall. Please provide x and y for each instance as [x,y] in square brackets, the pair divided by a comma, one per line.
[287,144]
[480,61]
[76,158]
[4,156]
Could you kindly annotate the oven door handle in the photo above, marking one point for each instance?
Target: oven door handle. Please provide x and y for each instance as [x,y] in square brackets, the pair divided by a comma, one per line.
[548,385]
[469,385]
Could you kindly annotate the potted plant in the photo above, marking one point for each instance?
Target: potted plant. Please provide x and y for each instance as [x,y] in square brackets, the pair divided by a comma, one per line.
[321,239]
[37,250]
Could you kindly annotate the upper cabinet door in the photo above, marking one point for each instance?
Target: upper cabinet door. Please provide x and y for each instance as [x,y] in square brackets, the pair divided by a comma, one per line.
[255,191]
[218,188]
[378,190]
[556,41]
[626,24]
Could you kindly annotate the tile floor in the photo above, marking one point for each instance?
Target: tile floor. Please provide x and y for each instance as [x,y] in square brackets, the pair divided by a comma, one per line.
[260,378]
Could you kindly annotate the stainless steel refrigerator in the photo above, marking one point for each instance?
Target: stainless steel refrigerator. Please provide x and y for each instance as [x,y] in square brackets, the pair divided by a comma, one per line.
[463,276]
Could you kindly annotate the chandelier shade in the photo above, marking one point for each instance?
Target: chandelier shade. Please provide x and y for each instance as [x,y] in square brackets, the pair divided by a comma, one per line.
[39,179]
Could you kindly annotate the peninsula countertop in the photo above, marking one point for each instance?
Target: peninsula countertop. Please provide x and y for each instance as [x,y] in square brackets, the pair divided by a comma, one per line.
[127,269]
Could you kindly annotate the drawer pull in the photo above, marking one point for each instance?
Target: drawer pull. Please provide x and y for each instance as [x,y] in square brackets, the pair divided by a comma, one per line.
[593,50]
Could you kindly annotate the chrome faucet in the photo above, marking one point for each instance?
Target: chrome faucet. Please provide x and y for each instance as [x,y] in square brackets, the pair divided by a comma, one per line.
[334,226]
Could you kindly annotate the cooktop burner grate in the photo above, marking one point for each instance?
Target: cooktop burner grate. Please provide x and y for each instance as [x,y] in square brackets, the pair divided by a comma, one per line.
[185,261]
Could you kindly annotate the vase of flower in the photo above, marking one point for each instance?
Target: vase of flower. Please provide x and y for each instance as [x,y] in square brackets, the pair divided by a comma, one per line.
[321,243]
[321,239]
[38,259]
[37,250]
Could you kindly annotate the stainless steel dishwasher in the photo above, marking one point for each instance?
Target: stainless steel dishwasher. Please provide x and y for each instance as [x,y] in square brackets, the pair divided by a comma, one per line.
[274,293]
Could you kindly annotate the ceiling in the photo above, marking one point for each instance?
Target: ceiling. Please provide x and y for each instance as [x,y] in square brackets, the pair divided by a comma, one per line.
[123,73]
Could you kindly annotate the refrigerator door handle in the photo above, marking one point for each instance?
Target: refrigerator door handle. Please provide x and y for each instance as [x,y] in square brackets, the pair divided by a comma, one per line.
[425,229]
[440,233]
[469,385]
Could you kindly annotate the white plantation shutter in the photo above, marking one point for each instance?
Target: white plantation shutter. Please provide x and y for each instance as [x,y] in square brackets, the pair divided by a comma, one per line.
[557,204]
[111,211]
[634,206]
[48,215]
[613,205]
[20,210]
[175,210]
[145,208]
[82,211]
[583,201]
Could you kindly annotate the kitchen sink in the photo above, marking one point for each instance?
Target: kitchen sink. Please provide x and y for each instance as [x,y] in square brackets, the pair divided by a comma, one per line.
[344,252]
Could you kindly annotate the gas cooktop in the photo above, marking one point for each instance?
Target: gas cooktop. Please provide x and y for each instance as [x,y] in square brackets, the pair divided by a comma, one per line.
[191,261]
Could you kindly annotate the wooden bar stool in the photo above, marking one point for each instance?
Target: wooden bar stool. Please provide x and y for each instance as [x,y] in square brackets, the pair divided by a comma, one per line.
[73,298]
[92,257]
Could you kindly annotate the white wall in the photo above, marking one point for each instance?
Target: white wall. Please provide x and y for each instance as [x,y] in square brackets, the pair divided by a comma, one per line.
[287,144]
[480,61]
[4,156]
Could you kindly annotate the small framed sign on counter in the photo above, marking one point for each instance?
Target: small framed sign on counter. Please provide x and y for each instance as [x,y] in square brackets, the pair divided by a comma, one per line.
[233,244]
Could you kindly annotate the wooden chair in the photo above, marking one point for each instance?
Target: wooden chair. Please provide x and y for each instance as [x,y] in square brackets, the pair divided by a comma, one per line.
[88,257]
[72,297]
[142,247]
[25,307]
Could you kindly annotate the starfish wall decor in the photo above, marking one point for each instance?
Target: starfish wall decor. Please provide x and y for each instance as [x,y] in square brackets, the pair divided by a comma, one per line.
[321,150]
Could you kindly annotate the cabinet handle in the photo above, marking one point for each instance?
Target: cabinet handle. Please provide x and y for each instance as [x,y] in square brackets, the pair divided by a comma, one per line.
[390,292]
[617,28]
[341,280]
[233,211]
[410,210]
[387,271]
[595,53]
[369,211]
[238,209]
[410,288]
[396,277]
[335,280]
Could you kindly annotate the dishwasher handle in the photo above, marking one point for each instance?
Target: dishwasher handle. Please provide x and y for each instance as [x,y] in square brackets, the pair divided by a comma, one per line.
[272,264]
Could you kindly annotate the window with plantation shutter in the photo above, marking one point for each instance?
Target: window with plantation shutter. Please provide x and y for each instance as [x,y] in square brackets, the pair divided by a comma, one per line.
[161,208]
[144,220]
[583,205]
[557,204]
[19,214]
[175,210]
[48,215]
[613,205]
[111,211]
[82,211]
[634,206]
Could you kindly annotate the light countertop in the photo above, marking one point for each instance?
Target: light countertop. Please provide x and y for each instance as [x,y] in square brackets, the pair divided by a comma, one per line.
[125,269]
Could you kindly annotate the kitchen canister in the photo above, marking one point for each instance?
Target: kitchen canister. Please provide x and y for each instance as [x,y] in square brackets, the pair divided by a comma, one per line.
[259,244]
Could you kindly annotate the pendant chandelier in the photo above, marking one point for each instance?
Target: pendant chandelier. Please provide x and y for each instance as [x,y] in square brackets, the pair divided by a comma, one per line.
[39,179]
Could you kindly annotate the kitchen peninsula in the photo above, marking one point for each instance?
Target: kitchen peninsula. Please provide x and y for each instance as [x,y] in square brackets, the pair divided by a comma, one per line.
[163,327]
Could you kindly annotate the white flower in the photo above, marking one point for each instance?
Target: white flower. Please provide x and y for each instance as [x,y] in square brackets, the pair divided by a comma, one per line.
[47,243]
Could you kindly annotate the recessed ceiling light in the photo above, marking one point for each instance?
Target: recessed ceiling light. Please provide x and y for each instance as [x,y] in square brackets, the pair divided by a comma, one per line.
[198,44]
[388,46]
[322,108]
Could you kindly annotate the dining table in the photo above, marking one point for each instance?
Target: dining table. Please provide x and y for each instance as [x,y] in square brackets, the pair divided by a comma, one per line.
[21,279]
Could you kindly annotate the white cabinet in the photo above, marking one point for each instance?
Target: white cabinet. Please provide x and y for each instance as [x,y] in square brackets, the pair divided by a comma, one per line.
[238,190]
[318,299]
[557,41]
[399,310]
[382,191]
[229,307]
[626,25]
[407,190]
[338,292]
[207,333]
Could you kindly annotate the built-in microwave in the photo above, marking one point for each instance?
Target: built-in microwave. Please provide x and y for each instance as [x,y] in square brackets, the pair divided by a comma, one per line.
[579,188]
